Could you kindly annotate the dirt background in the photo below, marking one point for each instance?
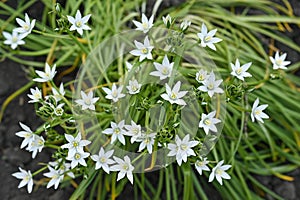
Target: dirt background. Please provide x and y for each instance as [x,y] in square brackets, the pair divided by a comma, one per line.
[12,77]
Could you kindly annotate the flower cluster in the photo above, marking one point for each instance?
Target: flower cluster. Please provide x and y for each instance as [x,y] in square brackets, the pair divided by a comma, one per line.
[73,155]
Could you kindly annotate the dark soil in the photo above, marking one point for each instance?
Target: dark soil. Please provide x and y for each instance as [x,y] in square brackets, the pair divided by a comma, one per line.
[12,77]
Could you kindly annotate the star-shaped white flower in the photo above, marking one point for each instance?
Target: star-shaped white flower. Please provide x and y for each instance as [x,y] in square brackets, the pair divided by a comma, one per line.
[114,93]
[174,95]
[240,71]
[87,101]
[103,160]
[279,61]
[134,87]
[208,122]
[147,141]
[124,167]
[36,145]
[201,75]
[35,96]
[26,179]
[55,177]
[143,50]
[145,25]
[257,111]
[207,38]
[167,20]
[201,165]
[134,131]
[79,22]
[219,172]
[164,70]
[78,158]
[47,75]
[58,110]
[75,144]
[25,25]
[211,85]
[116,131]
[182,148]
[62,167]
[58,94]
[13,39]
[27,134]
[185,25]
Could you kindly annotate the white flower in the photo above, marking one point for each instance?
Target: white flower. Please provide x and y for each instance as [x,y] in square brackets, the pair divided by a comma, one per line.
[25,26]
[75,144]
[46,76]
[211,85]
[59,111]
[146,24]
[182,148]
[58,94]
[167,20]
[124,167]
[116,131]
[201,75]
[26,178]
[208,122]
[133,87]
[143,50]
[62,167]
[78,23]
[240,71]
[219,172]
[13,39]
[128,66]
[279,61]
[174,95]
[115,93]
[257,111]
[87,101]
[201,165]
[36,145]
[185,25]
[207,38]
[35,96]
[103,160]
[164,70]
[147,140]
[55,177]
[27,134]
[78,158]
[134,131]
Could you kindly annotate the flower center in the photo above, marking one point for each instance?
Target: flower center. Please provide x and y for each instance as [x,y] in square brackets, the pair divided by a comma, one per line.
[37,96]
[14,39]
[115,94]
[147,141]
[207,38]
[125,167]
[59,111]
[257,112]
[165,71]
[87,101]
[75,144]
[103,160]
[77,156]
[219,171]
[210,86]
[78,24]
[144,50]
[279,62]
[134,88]
[201,77]
[199,164]
[26,27]
[183,147]
[173,96]
[135,131]
[40,142]
[207,122]
[238,71]
[117,131]
[145,25]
